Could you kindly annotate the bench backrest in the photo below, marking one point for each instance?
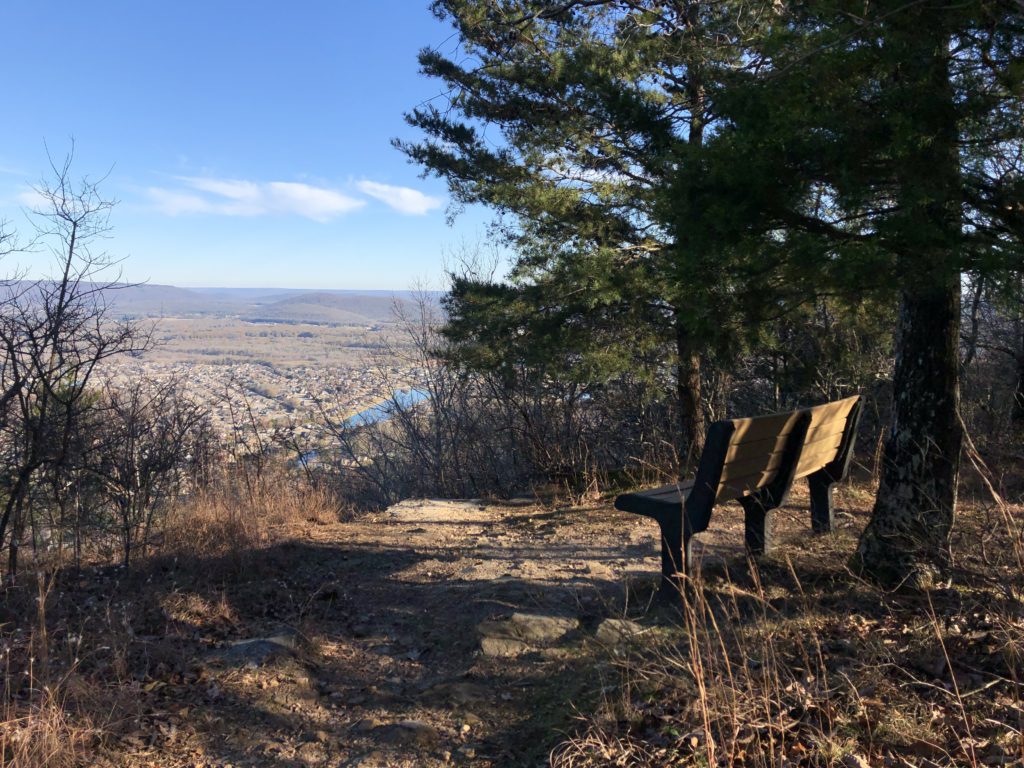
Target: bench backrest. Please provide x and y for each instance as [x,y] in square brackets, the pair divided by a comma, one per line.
[831,430]
[766,453]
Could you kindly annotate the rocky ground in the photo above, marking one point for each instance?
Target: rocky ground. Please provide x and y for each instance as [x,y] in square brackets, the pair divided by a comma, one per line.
[436,632]
[468,633]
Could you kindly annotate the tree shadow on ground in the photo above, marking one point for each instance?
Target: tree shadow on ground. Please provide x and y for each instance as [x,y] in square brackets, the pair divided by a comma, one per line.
[380,641]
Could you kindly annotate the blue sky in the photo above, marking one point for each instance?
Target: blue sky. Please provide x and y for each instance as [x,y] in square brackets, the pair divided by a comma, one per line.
[249,141]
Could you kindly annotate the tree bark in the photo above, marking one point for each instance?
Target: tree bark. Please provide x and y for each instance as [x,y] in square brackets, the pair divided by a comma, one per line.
[691,407]
[907,540]
[1017,409]
[908,535]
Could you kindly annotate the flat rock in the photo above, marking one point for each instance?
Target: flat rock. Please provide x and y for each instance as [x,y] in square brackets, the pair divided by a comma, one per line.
[420,511]
[617,631]
[409,732]
[256,652]
[599,570]
[503,647]
[530,628]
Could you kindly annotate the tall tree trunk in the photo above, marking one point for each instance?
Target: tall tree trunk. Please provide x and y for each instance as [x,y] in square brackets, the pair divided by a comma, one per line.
[907,538]
[908,535]
[691,407]
[1017,409]
[971,340]
[17,534]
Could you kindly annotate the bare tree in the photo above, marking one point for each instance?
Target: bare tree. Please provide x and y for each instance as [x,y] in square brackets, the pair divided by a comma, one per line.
[150,435]
[53,334]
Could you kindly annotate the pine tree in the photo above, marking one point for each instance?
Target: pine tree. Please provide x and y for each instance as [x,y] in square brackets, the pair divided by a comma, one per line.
[878,150]
[594,104]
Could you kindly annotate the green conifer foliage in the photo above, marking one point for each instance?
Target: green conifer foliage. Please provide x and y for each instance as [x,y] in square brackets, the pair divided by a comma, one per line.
[675,175]
[570,119]
[882,145]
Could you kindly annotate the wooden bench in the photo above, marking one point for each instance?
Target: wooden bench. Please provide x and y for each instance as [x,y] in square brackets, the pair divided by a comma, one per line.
[754,461]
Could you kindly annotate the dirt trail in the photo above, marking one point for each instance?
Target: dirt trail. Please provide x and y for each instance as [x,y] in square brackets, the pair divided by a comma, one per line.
[433,633]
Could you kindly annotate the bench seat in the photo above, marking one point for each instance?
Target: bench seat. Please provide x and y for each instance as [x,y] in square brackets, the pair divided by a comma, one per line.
[656,502]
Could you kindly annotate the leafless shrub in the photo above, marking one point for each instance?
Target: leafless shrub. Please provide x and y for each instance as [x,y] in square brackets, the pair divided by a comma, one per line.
[146,450]
[459,433]
[53,334]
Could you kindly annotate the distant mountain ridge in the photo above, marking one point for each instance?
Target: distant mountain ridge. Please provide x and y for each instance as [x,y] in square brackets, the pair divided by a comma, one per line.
[290,305]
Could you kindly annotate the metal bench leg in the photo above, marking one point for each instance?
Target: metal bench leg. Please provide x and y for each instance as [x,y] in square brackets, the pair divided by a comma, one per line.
[757,521]
[674,558]
[822,513]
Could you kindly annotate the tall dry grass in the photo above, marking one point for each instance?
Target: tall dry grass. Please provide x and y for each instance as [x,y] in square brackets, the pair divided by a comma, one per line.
[762,673]
[40,727]
[52,715]
[232,519]
[39,734]
[734,687]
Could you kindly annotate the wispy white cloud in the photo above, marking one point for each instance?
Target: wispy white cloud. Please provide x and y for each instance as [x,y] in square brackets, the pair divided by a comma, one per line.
[173,203]
[402,199]
[237,197]
[315,202]
[241,197]
[32,199]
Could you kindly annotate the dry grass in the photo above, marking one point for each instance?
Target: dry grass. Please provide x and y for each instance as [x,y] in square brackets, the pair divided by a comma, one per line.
[70,681]
[42,722]
[41,734]
[792,662]
[234,519]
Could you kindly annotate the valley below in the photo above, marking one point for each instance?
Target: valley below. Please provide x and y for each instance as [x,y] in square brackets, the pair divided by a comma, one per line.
[286,363]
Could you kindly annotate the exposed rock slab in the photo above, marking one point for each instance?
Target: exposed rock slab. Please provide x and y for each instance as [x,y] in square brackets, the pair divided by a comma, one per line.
[256,652]
[522,632]
[425,511]
[615,632]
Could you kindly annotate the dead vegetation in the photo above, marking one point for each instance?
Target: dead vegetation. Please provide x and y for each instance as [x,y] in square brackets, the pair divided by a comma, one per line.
[234,519]
[794,662]
[82,645]
[790,661]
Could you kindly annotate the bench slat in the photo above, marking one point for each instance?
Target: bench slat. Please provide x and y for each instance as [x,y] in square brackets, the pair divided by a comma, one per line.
[820,413]
[763,427]
[749,448]
[737,476]
[818,454]
[765,462]
[655,502]
[744,485]
[824,430]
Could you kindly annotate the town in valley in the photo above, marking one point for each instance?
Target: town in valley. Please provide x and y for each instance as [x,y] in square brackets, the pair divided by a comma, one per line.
[272,366]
